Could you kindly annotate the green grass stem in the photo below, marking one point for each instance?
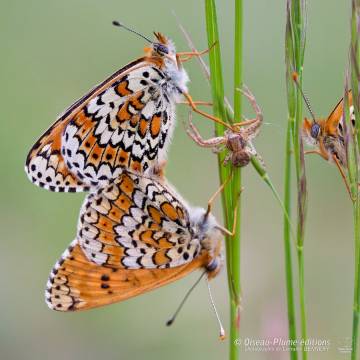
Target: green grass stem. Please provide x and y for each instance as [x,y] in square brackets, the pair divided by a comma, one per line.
[353,150]
[294,56]
[230,193]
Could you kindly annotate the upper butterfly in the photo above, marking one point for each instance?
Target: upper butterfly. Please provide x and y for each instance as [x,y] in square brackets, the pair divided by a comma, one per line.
[126,122]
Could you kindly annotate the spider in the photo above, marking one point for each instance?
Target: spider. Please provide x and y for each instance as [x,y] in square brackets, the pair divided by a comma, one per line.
[239,142]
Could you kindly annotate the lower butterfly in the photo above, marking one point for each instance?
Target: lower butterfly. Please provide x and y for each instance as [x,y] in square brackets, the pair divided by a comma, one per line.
[134,235]
[126,122]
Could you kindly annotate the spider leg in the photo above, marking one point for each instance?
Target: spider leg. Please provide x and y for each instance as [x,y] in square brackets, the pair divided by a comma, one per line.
[227,158]
[218,148]
[253,124]
[194,133]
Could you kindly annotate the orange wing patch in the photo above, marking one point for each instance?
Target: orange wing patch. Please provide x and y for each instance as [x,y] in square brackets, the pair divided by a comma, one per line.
[77,284]
[169,211]
[332,122]
[155,126]
[45,165]
[122,88]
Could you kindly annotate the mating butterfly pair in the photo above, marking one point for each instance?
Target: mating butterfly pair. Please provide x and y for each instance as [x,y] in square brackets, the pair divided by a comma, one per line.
[135,233]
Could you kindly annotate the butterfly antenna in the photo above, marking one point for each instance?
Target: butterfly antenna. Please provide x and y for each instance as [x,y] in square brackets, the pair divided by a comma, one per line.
[119,24]
[306,100]
[222,331]
[172,319]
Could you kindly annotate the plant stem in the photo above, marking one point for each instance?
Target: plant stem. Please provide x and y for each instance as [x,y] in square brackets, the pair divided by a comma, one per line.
[353,166]
[287,245]
[294,50]
[356,309]
[231,193]
[236,189]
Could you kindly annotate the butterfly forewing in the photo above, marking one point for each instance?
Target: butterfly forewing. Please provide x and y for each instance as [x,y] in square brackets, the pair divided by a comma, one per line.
[124,123]
[334,123]
[75,283]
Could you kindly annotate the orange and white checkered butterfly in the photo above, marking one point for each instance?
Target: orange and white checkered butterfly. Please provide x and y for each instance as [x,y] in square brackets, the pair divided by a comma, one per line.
[134,235]
[126,122]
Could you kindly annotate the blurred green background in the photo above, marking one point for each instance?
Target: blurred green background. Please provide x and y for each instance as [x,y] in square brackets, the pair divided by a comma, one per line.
[52,53]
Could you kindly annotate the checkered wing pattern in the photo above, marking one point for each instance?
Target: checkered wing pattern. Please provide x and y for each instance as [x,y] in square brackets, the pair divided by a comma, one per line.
[134,235]
[136,222]
[124,123]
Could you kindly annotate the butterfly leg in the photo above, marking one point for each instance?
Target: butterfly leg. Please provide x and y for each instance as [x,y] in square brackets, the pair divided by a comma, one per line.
[216,193]
[192,104]
[322,152]
[307,152]
[187,55]
[244,123]
[233,231]
[338,165]
[343,175]
[194,133]
[204,103]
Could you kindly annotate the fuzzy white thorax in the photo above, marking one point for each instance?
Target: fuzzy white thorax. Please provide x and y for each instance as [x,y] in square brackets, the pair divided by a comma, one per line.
[178,76]
[206,229]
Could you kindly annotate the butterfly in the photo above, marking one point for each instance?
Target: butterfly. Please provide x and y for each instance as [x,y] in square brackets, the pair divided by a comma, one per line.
[125,122]
[327,136]
[134,235]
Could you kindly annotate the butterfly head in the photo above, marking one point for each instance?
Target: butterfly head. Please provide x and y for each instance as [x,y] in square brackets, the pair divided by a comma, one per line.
[163,46]
[312,131]
[207,230]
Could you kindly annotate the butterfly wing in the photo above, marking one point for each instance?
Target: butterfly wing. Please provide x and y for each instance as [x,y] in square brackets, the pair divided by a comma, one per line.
[45,166]
[136,222]
[125,122]
[76,283]
[333,124]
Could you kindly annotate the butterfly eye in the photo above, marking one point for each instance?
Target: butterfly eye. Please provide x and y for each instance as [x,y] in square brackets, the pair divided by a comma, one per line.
[214,264]
[161,49]
[315,131]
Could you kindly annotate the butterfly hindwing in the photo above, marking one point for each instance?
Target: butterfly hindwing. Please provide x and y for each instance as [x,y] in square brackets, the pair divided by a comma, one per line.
[76,283]
[124,123]
[45,165]
[136,222]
